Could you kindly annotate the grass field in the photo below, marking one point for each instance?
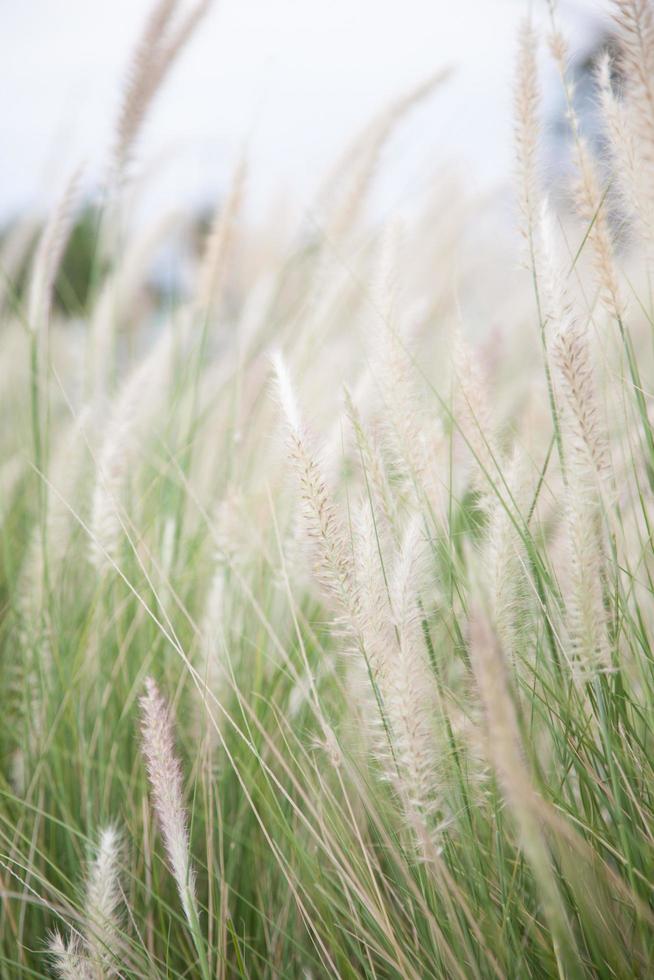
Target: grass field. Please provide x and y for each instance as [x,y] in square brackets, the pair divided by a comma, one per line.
[327,598]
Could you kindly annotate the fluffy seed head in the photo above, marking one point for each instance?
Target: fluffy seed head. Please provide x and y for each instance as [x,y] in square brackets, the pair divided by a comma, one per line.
[69,960]
[526,108]
[322,521]
[103,901]
[165,774]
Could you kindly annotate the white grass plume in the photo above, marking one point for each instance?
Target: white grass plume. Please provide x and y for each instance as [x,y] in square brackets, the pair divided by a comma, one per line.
[635,29]
[592,208]
[413,438]
[633,167]
[587,465]
[32,672]
[348,185]
[93,954]
[571,355]
[70,962]
[103,902]
[134,408]
[588,192]
[374,468]
[388,580]
[286,393]
[527,130]
[372,551]
[322,521]
[586,615]
[587,433]
[410,687]
[386,623]
[474,416]
[504,745]
[212,666]
[153,57]
[165,775]
[503,556]
[49,253]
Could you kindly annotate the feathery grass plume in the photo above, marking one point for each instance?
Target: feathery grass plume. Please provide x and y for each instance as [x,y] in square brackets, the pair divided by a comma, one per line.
[409,683]
[572,359]
[473,414]
[49,253]
[527,126]
[165,775]
[586,614]
[414,440]
[527,130]
[505,751]
[153,57]
[211,274]
[47,546]
[212,625]
[69,960]
[587,433]
[398,713]
[632,170]
[68,475]
[213,665]
[94,954]
[47,259]
[589,196]
[375,636]
[103,901]
[373,550]
[586,617]
[591,205]
[503,554]
[133,410]
[374,468]
[39,575]
[586,454]
[348,184]
[31,726]
[31,675]
[635,23]
[333,565]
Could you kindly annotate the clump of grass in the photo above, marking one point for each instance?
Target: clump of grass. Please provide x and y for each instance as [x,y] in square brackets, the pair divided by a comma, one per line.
[396,582]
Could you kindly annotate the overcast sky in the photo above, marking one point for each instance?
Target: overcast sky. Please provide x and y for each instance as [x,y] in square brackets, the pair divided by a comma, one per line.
[293,78]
